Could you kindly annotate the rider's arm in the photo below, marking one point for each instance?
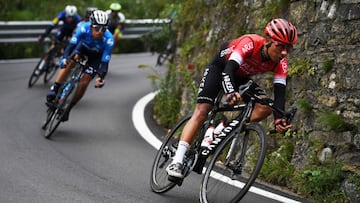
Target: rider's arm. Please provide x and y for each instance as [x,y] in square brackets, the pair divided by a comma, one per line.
[229,76]
[279,98]
[103,69]
[280,73]
[240,51]
[69,49]
[54,23]
[106,55]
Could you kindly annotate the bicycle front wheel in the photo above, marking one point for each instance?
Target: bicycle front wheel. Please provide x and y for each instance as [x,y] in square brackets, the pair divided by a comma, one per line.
[62,107]
[234,166]
[159,178]
[38,71]
[53,123]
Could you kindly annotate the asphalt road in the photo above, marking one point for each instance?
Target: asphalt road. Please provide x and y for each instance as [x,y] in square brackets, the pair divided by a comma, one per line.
[97,156]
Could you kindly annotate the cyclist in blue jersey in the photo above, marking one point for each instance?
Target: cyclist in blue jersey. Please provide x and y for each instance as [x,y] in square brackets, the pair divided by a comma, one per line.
[91,39]
[70,19]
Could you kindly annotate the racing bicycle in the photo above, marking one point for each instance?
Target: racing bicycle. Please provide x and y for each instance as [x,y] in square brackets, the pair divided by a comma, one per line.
[49,62]
[62,102]
[231,162]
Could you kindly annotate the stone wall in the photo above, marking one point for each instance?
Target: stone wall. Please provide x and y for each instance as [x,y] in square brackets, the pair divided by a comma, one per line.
[329,33]
[325,66]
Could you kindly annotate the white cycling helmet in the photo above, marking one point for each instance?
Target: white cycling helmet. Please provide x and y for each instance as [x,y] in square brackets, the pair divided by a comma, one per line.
[99,17]
[70,10]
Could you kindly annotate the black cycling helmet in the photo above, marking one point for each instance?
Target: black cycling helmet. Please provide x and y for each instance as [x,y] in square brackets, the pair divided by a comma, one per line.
[89,11]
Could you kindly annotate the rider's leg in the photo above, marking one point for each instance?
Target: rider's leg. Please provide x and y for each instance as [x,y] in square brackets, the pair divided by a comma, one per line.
[60,77]
[80,91]
[83,84]
[208,89]
[188,134]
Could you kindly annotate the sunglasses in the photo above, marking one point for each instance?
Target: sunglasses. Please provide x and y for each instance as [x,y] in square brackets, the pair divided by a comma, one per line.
[282,46]
[99,28]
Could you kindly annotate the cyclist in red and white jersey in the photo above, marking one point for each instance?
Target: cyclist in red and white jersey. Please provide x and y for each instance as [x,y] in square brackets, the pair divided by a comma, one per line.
[233,65]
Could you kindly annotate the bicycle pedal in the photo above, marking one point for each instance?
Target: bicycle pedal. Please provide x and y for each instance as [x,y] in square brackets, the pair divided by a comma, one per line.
[176,180]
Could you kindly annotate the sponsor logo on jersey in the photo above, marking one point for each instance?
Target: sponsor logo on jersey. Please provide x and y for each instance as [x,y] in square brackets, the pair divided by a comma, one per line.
[227,51]
[247,47]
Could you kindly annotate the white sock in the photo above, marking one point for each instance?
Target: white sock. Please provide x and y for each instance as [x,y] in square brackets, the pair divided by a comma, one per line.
[180,152]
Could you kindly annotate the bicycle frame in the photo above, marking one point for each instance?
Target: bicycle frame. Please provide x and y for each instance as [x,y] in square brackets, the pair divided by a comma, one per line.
[238,122]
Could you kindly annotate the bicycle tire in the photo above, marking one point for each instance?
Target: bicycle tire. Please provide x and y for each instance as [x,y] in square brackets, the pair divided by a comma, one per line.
[222,181]
[51,69]
[49,113]
[159,182]
[162,58]
[37,72]
[63,106]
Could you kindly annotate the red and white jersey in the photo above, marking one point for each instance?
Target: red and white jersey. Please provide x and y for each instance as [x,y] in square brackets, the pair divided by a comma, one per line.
[246,51]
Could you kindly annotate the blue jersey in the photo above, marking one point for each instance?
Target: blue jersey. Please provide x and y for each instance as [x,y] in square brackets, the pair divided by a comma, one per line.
[90,46]
[66,29]
[67,26]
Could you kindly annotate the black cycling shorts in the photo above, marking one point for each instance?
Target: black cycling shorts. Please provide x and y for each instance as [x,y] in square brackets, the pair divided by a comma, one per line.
[211,84]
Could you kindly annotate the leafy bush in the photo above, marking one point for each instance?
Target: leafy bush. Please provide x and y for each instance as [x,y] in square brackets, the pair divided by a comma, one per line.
[332,121]
[320,182]
[277,168]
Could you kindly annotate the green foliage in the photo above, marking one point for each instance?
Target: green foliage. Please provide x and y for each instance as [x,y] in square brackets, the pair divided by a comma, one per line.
[304,106]
[24,50]
[355,179]
[47,10]
[277,168]
[300,66]
[167,102]
[157,40]
[327,65]
[320,182]
[275,8]
[332,121]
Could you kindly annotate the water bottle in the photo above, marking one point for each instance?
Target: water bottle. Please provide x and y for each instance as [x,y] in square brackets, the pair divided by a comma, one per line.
[218,129]
[64,91]
[208,137]
[210,134]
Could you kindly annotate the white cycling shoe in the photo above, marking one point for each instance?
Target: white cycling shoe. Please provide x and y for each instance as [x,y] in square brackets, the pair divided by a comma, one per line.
[175,170]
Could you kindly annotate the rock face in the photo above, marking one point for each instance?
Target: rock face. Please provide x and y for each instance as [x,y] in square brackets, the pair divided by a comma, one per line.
[329,37]
[324,69]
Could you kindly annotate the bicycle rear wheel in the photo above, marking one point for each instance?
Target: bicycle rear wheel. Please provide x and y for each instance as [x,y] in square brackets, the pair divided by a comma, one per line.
[159,178]
[234,166]
[38,71]
[51,69]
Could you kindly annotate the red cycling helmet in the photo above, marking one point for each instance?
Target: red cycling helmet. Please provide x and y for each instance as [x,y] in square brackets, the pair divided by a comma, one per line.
[282,31]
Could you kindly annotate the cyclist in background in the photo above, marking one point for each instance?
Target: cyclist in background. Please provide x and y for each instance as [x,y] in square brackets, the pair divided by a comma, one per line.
[234,64]
[87,15]
[70,19]
[116,24]
[93,40]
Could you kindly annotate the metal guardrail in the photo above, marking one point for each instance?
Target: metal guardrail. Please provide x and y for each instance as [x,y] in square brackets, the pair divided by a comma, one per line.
[28,31]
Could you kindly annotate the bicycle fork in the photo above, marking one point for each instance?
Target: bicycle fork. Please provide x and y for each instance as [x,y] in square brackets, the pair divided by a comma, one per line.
[236,166]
